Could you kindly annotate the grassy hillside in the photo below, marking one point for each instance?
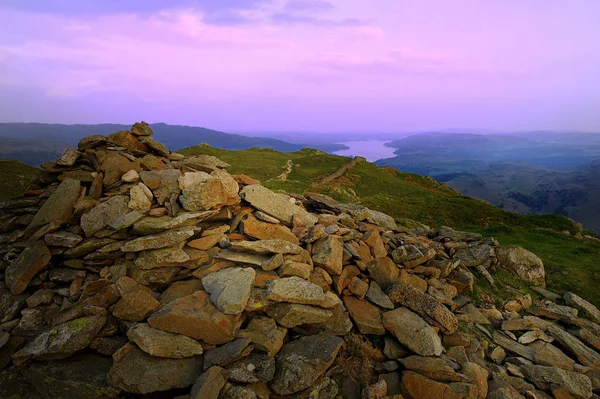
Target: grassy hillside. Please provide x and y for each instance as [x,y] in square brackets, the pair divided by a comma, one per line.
[14,178]
[571,263]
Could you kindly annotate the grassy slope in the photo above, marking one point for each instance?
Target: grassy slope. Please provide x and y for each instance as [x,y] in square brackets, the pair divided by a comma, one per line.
[570,263]
[14,178]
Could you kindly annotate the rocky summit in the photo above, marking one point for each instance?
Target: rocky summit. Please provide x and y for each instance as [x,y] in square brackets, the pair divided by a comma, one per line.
[131,271]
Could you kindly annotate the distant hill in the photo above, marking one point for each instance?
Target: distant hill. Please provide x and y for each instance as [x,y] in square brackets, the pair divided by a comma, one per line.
[538,173]
[34,143]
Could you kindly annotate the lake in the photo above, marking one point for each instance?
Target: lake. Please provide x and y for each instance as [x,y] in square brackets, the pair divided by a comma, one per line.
[372,150]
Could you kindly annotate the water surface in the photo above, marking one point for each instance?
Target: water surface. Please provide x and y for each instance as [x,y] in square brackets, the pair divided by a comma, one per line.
[372,150]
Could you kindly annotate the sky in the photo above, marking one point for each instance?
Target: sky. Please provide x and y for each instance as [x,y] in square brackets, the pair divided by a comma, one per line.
[303,65]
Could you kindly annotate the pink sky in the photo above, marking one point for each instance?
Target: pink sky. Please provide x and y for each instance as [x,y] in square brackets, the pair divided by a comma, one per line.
[339,65]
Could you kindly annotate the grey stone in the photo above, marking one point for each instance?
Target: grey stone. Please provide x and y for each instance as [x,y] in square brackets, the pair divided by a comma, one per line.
[300,363]
[163,344]
[256,367]
[209,384]
[267,247]
[157,241]
[104,214]
[153,225]
[524,264]
[585,308]
[161,257]
[230,288]
[291,315]
[584,354]
[62,239]
[276,205]
[126,220]
[376,295]
[294,290]
[59,206]
[413,332]
[548,378]
[61,341]
[138,372]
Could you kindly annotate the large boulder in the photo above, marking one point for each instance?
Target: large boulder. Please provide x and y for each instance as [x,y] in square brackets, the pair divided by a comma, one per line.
[300,363]
[413,332]
[104,214]
[524,264]
[61,341]
[195,316]
[163,344]
[59,207]
[138,372]
[276,205]
[230,288]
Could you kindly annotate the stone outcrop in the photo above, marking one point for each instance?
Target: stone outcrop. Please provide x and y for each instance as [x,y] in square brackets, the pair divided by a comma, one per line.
[136,271]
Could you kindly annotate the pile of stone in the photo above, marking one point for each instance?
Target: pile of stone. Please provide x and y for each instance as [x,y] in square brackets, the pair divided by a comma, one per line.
[131,270]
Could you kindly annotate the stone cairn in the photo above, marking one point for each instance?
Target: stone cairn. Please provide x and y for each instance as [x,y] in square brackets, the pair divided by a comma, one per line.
[133,271]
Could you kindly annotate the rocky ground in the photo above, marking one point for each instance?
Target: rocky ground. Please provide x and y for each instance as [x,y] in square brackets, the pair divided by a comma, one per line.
[133,271]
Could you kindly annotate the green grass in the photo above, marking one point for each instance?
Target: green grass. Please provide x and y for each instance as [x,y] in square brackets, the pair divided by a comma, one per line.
[571,264]
[15,177]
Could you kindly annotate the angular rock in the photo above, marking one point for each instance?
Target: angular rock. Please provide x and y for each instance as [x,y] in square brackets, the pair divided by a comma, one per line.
[420,387]
[21,271]
[230,288]
[276,205]
[157,147]
[141,129]
[115,165]
[294,290]
[180,289]
[104,214]
[169,184]
[267,247]
[300,363]
[157,241]
[254,228]
[161,257]
[586,309]
[138,372]
[291,315]
[513,346]
[549,355]
[425,305]
[366,316]
[254,368]
[413,332]
[195,316]
[327,253]
[163,344]
[522,263]
[59,206]
[432,367]
[264,334]
[228,353]
[62,239]
[383,271]
[587,356]
[68,158]
[549,378]
[61,341]
[210,383]
[123,138]
[138,198]
[135,306]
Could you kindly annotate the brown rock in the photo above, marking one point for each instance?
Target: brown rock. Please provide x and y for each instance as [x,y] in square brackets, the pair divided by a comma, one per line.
[327,253]
[375,243]
[383,271]
[150,162]
[115,166]
[419,387]
[255,228]
[163,344]
[59,206]
[195,316]
[425,305]
[210,383]
[135,306]
[366,316]
[20,272]
[125,139]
